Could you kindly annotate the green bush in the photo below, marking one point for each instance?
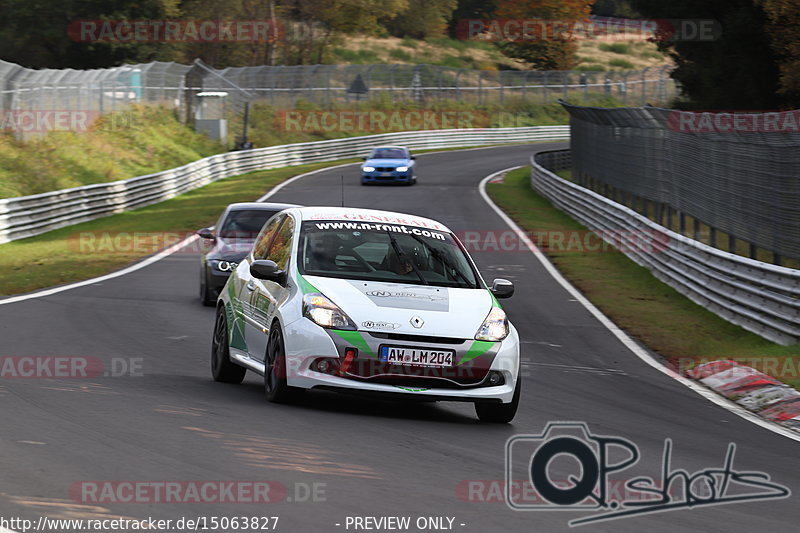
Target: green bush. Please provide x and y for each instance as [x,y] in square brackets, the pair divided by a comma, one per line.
[621,63]
[617,48]
[400,55]
[359,57]
[444,42]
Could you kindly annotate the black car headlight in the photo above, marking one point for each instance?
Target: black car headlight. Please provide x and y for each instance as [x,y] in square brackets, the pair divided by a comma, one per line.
[221,265]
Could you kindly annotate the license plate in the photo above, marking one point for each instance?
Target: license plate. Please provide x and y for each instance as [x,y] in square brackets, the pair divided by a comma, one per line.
[386,174]
[416,356]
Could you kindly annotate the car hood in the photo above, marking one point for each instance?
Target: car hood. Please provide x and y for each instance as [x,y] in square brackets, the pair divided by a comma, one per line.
[390,307]
[231,249]
[387,162]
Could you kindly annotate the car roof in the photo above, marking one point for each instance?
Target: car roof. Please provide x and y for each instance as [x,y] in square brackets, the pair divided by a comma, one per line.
[390,147]
[267,206]
[354,214]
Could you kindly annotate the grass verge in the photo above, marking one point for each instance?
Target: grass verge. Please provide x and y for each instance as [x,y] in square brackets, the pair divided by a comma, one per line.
[657,315]
[58,257]
[61,256]
[138,141]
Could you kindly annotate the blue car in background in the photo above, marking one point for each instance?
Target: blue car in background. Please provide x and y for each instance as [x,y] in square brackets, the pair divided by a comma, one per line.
[389,164]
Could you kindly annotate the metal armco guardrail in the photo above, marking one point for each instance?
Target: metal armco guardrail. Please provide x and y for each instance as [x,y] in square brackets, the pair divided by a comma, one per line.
[757,296]
[32,215]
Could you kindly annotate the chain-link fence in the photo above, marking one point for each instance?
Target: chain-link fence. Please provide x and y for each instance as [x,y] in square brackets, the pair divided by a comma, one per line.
[738,174]
[332,84]
[93,92]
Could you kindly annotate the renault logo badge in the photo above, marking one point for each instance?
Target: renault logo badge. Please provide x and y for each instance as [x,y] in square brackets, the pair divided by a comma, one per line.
[417,322]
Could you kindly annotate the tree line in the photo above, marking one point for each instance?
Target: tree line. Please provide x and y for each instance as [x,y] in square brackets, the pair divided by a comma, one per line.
[752,62]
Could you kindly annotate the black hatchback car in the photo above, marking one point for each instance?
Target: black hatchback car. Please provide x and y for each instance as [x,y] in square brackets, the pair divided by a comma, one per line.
[232,237]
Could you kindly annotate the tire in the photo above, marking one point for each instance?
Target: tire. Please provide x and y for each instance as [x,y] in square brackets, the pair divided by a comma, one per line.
[206,297]
[276,387]
[222,368]
[500,413]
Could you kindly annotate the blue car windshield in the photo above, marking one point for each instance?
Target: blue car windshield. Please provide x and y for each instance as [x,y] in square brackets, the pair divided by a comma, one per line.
[388,153]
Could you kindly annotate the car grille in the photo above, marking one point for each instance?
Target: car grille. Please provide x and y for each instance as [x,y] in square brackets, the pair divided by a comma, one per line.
[387,374]
[428,339]
[385,169]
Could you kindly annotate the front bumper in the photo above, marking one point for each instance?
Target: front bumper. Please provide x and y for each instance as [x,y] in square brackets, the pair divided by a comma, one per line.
[216,280]
[307,344]
[387,177]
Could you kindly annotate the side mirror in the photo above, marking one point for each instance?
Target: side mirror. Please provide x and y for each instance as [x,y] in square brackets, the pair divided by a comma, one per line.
[268,270]
[413,157]
[502,288]
[206,233]
[365,158]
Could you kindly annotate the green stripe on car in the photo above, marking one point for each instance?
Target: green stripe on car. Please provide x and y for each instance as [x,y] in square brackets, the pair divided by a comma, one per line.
[477,349]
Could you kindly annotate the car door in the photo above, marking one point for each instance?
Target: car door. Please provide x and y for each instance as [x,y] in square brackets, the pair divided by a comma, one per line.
[245,288]
[267,296]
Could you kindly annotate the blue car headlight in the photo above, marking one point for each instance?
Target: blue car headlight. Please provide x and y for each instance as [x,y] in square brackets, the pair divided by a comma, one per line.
[368,169]
[402,169]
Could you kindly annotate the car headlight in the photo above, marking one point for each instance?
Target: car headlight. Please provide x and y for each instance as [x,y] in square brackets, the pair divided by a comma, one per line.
[368,169]
[494,328]
[223,266]
[325,313]
[402,169]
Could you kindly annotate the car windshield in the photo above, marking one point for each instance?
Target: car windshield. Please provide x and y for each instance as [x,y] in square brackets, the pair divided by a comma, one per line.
[388,153]
[384,252]
[244,223]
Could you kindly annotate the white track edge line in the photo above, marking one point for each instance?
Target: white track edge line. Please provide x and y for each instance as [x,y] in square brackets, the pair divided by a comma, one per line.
[623,337]
[150,260]
[175,247]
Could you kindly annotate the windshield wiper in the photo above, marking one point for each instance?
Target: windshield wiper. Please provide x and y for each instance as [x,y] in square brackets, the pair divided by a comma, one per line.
[447,264]
[401,254]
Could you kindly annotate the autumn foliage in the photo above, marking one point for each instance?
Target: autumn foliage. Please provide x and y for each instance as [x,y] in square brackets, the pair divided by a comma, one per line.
[546,50]
[782,28]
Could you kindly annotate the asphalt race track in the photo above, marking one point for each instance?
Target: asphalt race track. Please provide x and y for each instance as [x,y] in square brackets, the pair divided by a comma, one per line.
[170,422]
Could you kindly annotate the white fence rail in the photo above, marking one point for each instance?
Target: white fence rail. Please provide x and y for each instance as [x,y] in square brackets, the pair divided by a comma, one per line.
[31,215]
[757,296]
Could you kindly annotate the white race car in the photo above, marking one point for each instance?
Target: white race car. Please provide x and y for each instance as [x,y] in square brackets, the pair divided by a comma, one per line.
[365,301]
